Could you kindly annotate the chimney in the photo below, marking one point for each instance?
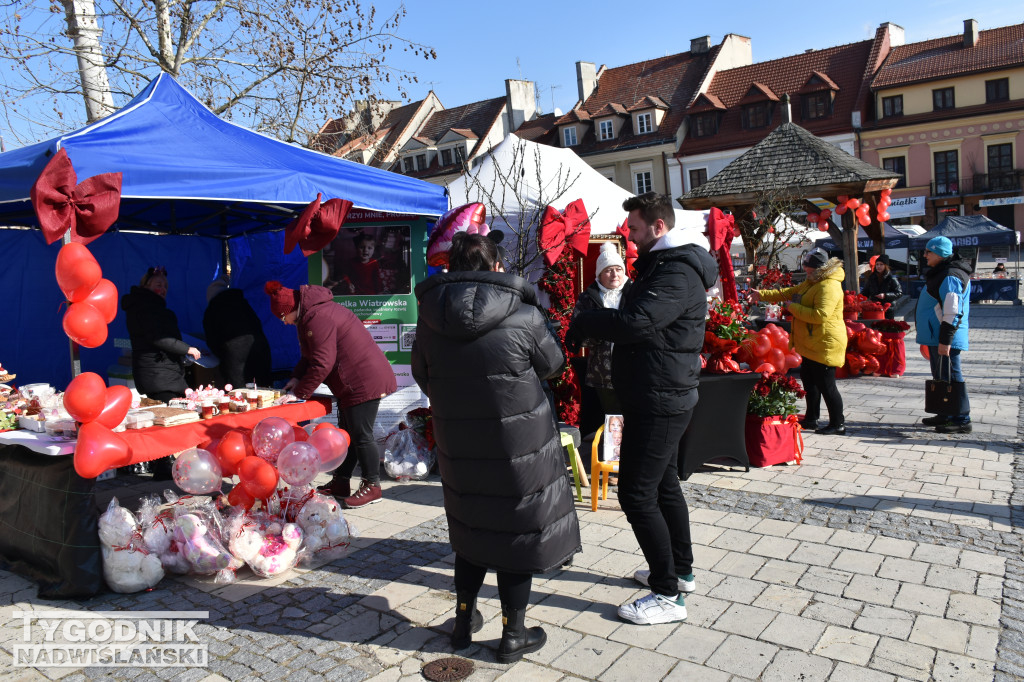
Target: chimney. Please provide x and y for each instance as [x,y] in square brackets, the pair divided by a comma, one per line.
[970,33]
[700,45]
[521,102]
[787,113]
[586,79]
[897,36]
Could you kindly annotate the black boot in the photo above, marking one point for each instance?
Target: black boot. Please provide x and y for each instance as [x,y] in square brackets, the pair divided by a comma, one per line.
[467,621]
[516,639]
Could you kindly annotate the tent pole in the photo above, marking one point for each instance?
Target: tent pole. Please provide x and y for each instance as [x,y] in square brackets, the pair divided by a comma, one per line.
[76,359]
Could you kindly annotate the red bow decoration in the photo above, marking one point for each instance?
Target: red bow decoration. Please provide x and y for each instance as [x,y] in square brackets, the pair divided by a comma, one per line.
[720,234]
[61,202]
[317,225]
[558,228]
[631,252]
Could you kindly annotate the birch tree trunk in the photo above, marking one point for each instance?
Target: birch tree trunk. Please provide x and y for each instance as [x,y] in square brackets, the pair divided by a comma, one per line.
[86,33]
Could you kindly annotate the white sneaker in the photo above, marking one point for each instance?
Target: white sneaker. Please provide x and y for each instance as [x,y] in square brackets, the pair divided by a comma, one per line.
[652,610]
[644,577]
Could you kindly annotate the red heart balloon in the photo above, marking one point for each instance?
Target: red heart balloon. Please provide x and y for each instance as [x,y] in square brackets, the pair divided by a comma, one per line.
[234,447]
[258,477]
[85,397]
[85,326]
[300,434]
[104,299]
[117,400]
[239,497]
[99,449]
[78,273]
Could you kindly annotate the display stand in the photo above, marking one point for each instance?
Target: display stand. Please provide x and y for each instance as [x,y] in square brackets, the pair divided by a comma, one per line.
[717,426]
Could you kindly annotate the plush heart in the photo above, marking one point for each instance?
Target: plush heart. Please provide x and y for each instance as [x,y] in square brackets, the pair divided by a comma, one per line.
[84,398]
[99,449]
[117,401]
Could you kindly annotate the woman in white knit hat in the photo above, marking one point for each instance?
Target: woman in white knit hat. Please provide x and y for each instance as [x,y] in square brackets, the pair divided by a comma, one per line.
[605,292]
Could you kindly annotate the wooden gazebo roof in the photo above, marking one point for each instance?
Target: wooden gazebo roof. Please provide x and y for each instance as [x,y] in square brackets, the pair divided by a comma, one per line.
[793,159]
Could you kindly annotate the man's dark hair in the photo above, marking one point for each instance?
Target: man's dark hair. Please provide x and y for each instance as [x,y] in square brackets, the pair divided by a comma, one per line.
[652,206]
[471,252]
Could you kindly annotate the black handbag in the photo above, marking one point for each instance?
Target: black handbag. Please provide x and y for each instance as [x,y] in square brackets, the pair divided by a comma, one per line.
[945,397]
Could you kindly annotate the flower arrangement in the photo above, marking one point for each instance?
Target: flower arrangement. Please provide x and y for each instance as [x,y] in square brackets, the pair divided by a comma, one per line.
[723,331]
[560,283]
[421,420]
[775,279]
[891,326]
[774,395]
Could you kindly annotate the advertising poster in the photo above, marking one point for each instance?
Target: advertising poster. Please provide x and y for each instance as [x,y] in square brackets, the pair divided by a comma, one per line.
[373,267]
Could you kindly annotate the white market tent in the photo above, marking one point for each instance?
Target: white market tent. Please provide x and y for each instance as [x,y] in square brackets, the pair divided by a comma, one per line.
[541,169]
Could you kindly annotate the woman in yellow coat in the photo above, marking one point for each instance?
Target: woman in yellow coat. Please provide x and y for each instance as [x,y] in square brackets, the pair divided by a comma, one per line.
[818,335]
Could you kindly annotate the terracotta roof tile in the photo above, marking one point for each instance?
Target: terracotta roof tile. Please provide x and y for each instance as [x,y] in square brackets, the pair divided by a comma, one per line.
[817,82]
[705,102]
[997,48]
[844,65]
[758,92]
[541,130]
[672,79]
[575,116]
[649,102]
[611,109]
[465,132]
[473,121]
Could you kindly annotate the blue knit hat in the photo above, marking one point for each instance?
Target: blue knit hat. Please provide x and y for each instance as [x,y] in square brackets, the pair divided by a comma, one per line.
[940,246]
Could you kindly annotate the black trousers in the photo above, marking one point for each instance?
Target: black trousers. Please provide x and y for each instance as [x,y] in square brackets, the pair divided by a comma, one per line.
[358,420]
[651,496]
[513,588]
[820,382]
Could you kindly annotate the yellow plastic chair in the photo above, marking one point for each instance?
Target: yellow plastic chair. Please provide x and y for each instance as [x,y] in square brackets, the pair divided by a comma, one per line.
[575,463]
[600,471]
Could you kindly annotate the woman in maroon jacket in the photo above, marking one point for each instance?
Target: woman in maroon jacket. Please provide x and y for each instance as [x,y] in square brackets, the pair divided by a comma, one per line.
[337,350]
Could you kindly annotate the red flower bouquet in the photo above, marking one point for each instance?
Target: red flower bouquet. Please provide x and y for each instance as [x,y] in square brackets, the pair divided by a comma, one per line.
[891,326]
[560,283]
[774,395]
[772,431]
[723,331]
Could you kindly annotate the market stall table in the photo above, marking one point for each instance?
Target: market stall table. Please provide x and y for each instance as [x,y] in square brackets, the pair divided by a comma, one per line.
[48,516]
[716,429]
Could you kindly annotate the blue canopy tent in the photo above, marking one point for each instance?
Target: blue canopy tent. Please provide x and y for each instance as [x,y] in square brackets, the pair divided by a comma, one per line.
[185,174]
[968,230]
[894,239]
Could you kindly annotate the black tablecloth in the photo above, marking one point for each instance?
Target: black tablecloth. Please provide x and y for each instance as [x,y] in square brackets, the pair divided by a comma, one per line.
[48,524]
[717,426]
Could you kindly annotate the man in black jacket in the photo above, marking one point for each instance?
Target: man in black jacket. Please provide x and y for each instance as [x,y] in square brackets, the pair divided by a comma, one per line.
[658,331]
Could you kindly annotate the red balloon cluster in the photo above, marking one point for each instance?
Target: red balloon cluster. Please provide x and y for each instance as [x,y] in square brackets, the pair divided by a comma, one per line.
[768,351]
[820,219]
[883,205]
[863,346]
[257,477]
[863,210]
[92,299]
[99,409]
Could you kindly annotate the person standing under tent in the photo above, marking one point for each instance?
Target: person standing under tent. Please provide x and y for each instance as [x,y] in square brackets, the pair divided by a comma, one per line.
[235,335]
[941,319]
[482,349]
[337,350]
[658,332]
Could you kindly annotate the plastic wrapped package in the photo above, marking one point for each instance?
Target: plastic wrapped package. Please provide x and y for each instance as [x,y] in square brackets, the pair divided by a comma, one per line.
[407,456]
[326,533]
[128,566]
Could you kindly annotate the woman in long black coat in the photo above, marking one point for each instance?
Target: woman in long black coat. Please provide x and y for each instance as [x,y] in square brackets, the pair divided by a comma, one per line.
[482,349]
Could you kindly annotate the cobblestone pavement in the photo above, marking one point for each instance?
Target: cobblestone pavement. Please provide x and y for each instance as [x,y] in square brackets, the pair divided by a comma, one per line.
[893,553]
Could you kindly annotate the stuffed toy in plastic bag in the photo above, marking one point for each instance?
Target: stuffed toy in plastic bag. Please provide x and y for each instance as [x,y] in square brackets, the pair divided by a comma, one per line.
[407,456]
[128,566]
[326,532]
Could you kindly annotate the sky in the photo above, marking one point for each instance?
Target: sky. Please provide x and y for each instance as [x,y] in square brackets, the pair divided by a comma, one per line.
[480,44]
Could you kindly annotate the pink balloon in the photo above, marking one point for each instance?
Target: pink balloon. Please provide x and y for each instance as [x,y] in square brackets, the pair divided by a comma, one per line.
[332,446]
[298,463]
[270,435]
[197,472]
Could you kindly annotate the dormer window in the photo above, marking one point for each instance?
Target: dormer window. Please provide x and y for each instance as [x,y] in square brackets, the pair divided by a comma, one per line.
[569,136]
[644,123]
[816,105]
[407,164]
[606,131]
[756,115]
[421,162]
[704,125]
[446,157]
[460,153]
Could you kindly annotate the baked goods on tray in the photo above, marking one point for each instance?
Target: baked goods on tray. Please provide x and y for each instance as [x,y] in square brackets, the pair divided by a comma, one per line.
[172,416]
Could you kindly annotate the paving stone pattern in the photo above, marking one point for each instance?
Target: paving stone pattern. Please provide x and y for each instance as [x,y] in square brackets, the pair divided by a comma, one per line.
[893,553]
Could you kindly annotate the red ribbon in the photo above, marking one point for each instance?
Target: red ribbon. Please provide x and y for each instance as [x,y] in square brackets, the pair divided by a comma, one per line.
[798,438]
[558,228]
[317,225]
[62,203]
[631,252]
[720,234]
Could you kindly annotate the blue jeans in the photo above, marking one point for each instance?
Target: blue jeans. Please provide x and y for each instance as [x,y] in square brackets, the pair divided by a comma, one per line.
[941,371]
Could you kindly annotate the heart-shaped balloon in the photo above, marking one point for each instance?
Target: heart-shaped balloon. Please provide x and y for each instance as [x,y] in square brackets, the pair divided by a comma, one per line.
[115,406]
[85,326]
[99,449]
[78,273]
[104,299]
[84,399]
[232,449]
[240,497]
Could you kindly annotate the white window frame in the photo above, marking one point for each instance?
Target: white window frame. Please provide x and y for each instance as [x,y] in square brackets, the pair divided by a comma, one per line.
[608,172]
[606,130]
[644,123]
[642,175]
[565,136]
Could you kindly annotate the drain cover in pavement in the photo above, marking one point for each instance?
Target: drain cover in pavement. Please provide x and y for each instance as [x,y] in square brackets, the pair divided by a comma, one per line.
[448,669]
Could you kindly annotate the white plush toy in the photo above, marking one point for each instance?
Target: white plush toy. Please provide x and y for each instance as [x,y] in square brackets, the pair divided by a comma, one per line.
[324,529]
[199,546]
[279,551]
[127,565]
